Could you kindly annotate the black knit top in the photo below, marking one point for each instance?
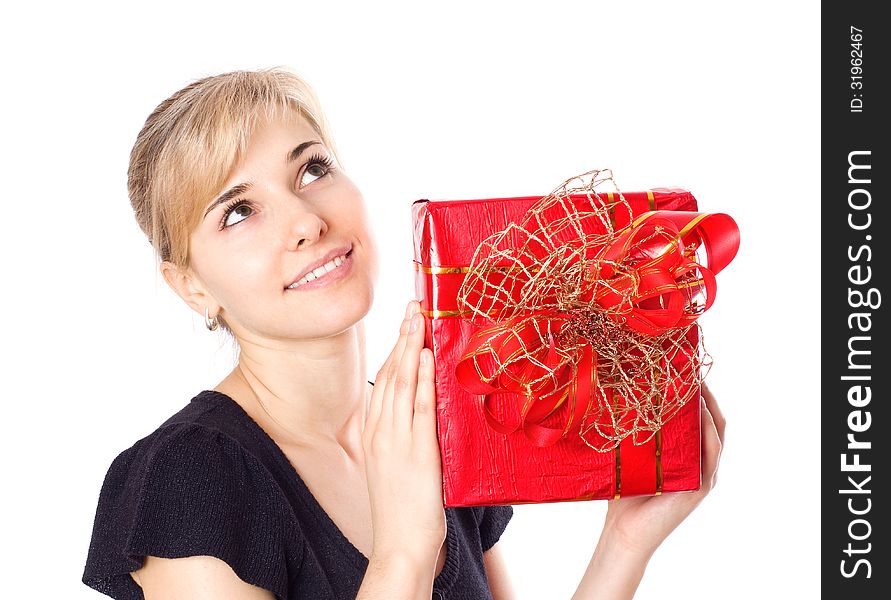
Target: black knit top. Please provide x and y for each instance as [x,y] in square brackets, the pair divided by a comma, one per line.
[211,482]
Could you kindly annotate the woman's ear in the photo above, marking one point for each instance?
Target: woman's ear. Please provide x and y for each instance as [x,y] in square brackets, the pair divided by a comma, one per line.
[188,287]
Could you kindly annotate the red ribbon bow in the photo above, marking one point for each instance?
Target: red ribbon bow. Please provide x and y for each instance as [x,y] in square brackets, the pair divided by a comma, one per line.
[641,289]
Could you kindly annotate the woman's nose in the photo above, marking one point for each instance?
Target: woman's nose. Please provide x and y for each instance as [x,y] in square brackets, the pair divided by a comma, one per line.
[303,227]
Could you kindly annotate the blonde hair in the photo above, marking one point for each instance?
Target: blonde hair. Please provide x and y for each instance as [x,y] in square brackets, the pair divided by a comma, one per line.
[192,141]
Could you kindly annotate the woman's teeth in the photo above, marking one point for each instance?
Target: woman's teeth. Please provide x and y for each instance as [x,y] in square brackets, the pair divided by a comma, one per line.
[318,272]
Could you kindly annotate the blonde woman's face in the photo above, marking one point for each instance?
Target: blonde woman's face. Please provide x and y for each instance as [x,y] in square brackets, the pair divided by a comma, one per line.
[285,251]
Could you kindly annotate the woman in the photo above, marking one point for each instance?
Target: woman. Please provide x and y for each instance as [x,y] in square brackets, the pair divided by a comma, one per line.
[295,477]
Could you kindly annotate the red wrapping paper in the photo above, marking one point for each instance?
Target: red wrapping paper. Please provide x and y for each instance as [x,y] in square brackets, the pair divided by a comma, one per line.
[484,467]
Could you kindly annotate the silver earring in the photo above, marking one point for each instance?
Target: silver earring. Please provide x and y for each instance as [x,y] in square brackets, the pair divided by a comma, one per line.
[211,324]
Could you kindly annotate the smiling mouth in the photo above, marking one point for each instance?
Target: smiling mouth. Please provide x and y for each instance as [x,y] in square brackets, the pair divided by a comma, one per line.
[331,265]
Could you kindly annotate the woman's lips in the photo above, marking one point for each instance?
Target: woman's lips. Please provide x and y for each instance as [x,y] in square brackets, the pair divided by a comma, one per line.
[338,272]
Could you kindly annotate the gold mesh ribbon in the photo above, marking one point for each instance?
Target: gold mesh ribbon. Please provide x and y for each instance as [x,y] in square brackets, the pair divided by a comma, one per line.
[573,308]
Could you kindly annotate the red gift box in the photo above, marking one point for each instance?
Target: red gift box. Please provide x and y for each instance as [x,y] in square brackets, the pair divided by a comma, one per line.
[484,466]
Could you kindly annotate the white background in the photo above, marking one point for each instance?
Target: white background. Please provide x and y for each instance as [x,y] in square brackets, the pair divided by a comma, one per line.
[463,100]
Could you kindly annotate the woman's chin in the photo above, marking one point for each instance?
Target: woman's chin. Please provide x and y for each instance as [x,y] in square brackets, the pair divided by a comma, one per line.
[330,319]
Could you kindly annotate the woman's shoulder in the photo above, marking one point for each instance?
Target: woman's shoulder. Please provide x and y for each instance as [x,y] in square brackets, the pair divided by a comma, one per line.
[210,426]
[210,448]
[196,485]
[207,444]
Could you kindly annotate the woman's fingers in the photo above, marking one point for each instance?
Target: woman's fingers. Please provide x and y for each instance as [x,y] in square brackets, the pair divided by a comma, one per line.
[712,443]
[393,377]
[405,385]
[381,393]
[424,421]
[715,411]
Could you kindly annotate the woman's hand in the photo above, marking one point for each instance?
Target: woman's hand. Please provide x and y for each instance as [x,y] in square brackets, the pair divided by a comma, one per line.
[641,523]
[402,459]
[635,527]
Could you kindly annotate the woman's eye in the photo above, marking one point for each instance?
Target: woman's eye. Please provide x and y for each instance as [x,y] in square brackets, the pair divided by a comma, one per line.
[237,214]
[316,169]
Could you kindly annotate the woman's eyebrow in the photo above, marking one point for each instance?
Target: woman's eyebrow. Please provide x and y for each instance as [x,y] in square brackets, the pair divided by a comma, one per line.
[296,152]
[231,193]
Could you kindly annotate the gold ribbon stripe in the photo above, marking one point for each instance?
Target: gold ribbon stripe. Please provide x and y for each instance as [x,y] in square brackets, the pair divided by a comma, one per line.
[441,270]
[618,493]
[658,462]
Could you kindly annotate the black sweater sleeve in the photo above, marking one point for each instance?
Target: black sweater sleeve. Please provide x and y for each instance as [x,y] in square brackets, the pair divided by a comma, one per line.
[493,523]
[187,491]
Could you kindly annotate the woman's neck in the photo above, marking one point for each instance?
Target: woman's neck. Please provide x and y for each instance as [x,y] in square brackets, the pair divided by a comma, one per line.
[314,395]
